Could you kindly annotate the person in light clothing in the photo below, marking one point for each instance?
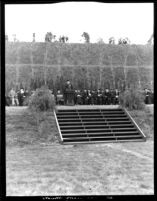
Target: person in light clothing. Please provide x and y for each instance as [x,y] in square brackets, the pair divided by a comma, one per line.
[12,95]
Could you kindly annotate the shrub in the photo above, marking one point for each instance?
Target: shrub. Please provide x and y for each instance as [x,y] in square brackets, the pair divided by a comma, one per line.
[133,99]
[26,101]
[42,100]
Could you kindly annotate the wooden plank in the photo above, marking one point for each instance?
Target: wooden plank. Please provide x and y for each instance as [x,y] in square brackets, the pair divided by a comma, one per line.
[58,126]
[103,141]
[135,124]
[107,133]
[101,137]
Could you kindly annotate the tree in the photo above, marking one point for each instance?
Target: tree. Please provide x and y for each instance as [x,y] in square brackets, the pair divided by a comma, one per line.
[112,40]
[14,37]
[150,41]
[123,41]
[66,39]
[126,40]
[120,41]
[86,37]
[100,41]
[33,37]
[49,36]
[63,39]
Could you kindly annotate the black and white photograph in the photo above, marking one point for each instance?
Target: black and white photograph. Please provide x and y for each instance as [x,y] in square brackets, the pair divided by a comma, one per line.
[79,99]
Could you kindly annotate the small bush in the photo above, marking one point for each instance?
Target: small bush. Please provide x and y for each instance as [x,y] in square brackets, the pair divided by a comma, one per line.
[42,100]
[133,99]
[26,101]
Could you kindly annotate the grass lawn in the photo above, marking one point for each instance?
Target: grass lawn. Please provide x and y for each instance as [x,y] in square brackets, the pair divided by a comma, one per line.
[37,164]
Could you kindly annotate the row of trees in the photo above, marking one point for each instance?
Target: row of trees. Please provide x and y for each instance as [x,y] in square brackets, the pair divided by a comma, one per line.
[83,64]
[49,37]
[78,54]
[31,77]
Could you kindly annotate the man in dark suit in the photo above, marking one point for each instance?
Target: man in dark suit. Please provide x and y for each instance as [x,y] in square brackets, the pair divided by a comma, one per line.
[99,97]
[107,97]
[59,98]
[147,96]
[79,97]
[68,88]
[21,96]
[68,85]
[116,96]
[85,97]
[89,97]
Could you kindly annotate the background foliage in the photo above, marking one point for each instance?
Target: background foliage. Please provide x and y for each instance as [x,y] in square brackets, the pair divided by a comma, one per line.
[31,65]
[133,99]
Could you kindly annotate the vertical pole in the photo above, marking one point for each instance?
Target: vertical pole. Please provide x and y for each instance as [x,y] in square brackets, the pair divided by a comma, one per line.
[113,74]
[73,74]
[112,71]
[87,70]
[32,70]
[60,56]
[124,68]
[45,63]
[100,66]
[100,71]
[17,67]
[33,37]
[137,63]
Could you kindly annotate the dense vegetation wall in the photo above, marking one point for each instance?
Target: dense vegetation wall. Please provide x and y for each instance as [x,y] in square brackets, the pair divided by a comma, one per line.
[87,65]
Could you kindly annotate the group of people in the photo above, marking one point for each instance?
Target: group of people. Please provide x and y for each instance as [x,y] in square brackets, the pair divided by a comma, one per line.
[76,97]
[91,97]
[14,98]
[149,96]
[87,97]
[95,97]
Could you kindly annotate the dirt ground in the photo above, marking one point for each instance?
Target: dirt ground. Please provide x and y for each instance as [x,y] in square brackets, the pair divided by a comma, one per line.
[41,166]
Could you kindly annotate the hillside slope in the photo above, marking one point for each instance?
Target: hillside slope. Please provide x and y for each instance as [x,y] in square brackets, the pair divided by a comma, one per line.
[88,65]
[77,54]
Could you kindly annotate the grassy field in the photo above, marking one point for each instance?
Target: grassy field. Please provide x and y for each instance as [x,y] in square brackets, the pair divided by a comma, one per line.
[36,164]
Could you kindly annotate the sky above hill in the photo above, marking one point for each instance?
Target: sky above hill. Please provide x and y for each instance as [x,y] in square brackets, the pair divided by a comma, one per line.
[100,20]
